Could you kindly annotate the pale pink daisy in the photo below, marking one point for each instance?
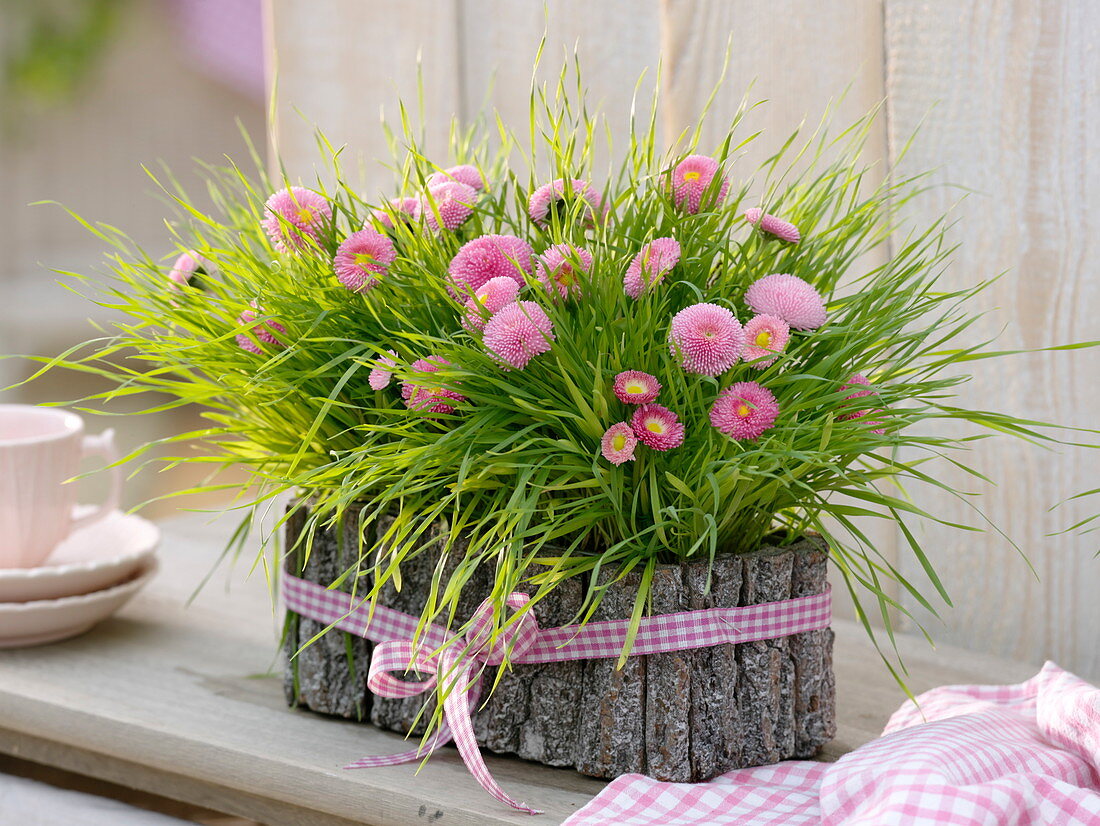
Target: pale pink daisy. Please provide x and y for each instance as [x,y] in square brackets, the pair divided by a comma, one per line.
[865,390]
[636,387]
[690,182]
[362,259]
[463,173]
[657,427]
[618,443]
[493,296]
[788,297]
[448,205]
[263,332]
[380,376]
[558,268]
[420,393]
[517,333]
[651,265]
[554,196]
[744,410]
[765,335]
[488,257]
[770,225]
[405,209]
[186,267]
[294,217]
[707,338]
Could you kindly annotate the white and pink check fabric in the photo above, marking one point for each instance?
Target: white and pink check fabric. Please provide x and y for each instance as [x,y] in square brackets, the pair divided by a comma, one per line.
[1017,755]
[400,649]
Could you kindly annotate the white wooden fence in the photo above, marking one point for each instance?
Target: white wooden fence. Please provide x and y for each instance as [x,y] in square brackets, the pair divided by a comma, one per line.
[1006,96]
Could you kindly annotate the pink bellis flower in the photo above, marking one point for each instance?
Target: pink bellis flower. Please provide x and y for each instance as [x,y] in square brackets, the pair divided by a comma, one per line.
[554,196]
[866,415]
[263,332]
[657,427]
[651,265]
[420,393]
[186,267]
[489,256]
[517,333]
[692,187]
[406,209]
[618,443]
[380,376]
[494,295]
[558,268]
[363,259]
[636,387]
[765,336]
[448,205]
[463,173]
[744,411]
[707,338]
[293,218]
[770,225]
[789,298]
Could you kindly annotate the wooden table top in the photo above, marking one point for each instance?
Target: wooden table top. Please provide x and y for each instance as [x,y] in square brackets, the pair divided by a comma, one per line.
[185,701]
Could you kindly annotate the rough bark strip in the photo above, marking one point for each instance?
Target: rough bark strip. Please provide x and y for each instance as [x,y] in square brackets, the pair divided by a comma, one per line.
[764,696]
[668,689]
[611,734]
[533,710]
[332,670]
[812,653]
[715,722]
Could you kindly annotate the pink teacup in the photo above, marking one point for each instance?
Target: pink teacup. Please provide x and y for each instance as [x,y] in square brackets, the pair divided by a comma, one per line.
[40,450]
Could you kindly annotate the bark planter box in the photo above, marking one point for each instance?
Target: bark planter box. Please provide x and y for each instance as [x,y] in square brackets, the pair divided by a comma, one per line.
[685,716]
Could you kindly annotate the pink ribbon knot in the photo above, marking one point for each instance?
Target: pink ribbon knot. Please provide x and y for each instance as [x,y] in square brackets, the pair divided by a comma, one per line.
[460,672]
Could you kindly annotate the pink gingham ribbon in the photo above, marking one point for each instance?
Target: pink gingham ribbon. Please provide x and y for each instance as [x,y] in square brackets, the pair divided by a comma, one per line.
[400,649]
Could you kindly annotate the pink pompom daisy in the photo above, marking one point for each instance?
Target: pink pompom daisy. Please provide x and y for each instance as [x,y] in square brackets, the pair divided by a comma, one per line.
[651,265]
[263,332]
[186,267]
[463,173]
[618,443]
[765,335]
[865,390]
[636,387]
[558,268]
[788,297]
[362,259]
[657,427]
[517,333]
[405,209]
[554,196]
[380,376]
[488,257]
[690,183]
[448,205]
[421,394]
[770,225]
[744,410]
[493,296]
[707,338]
[294,217]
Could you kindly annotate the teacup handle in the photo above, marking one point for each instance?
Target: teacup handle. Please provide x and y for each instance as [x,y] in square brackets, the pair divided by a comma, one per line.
[101,445]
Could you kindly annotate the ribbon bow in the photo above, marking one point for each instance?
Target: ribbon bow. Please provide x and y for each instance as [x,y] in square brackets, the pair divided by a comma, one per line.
[459,669]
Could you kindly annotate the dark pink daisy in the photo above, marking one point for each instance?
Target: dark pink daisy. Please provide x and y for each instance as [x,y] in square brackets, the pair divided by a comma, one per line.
[380,376]
[463,173]
[636,387]
[488,257]
[494,295]
[765,335]
[770,225]
[744,411]
[865,391]
[448,205]
[657,427]
[560,269]
[618,443]
[651,265]
[186,267]
[362,259]
[788,297]
[555,196]
[293,218]
[263,332]
[517,333]
[708,339]
[421,393]
[690,184]
[405,209]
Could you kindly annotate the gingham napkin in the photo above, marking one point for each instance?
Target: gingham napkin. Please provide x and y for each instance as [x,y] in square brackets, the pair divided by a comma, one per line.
[1019,755]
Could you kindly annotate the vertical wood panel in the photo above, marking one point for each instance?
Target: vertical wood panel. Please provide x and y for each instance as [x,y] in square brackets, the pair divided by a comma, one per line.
[1007,92]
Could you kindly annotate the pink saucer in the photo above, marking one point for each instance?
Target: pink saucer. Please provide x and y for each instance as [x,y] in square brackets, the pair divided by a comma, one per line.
[90,559]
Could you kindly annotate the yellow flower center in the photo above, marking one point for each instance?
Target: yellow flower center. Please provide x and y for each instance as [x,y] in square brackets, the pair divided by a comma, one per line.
[763,338]
[362,259]
[565,275]
[743,410]
[635,387]
[305,215]
[618,441]
[482,298]
[655,426]
[692,176]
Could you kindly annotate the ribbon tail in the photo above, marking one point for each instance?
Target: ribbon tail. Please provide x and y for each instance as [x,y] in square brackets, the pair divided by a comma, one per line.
[441,738]
[456,710]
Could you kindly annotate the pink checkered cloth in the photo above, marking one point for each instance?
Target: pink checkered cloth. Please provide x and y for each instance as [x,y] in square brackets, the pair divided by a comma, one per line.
[1017,755]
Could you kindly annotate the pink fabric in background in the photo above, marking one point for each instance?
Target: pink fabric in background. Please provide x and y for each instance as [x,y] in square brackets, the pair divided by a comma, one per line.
[225,39]
[1019,755]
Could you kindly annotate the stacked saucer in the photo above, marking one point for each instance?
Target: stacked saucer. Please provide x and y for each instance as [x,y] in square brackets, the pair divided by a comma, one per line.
[91,574]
